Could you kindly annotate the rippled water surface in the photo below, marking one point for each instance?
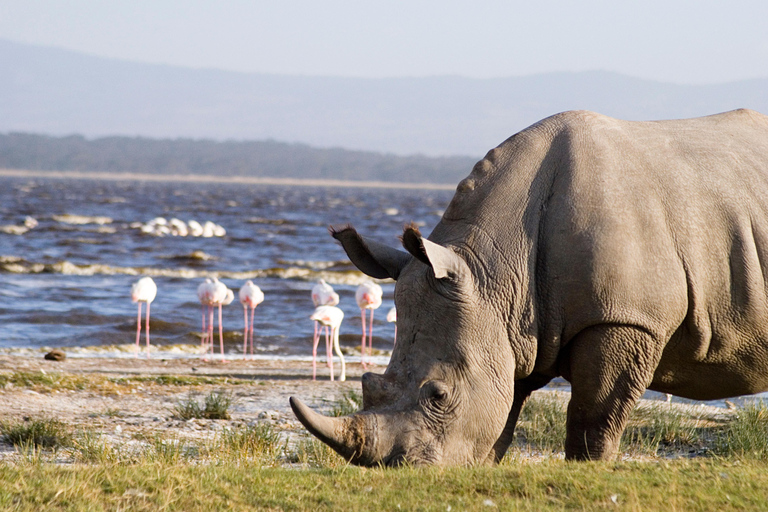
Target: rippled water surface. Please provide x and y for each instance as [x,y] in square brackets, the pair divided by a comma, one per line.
[66,281]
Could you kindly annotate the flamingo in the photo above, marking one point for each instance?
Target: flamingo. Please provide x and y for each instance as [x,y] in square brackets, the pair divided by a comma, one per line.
[250,296]
[392,317]
[330,316]
[222,296]
[368,296]
[143,290]
[323,295]
[205,294]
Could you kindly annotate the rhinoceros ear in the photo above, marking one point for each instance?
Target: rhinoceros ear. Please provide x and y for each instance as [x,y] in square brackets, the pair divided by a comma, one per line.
[444,262]
[373,258]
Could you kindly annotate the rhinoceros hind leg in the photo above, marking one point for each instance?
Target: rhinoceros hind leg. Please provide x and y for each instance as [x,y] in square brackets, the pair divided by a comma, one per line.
[610,367]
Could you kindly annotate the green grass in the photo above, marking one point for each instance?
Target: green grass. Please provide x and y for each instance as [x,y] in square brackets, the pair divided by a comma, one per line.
[41,380]
[215,406]
[683,485]
[253,467]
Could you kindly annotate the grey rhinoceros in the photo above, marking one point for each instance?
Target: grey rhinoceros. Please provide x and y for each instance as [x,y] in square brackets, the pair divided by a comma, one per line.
[622,256]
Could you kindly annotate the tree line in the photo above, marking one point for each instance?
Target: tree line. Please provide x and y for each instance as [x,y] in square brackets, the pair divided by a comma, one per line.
[269,159]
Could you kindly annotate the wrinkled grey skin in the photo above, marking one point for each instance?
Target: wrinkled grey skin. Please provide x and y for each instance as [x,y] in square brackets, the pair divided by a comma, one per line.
[619,255]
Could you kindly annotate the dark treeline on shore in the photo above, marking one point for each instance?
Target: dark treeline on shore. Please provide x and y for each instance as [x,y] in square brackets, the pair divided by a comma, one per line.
[267,159]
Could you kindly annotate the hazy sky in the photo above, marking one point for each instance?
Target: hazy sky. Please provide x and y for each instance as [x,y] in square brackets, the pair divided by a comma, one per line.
[683,41]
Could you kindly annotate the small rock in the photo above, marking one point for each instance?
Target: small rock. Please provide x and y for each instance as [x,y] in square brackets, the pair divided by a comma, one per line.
[269,415]
[55,355]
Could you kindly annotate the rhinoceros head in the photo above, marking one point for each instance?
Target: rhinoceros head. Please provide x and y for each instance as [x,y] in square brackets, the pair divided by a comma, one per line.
[446,393]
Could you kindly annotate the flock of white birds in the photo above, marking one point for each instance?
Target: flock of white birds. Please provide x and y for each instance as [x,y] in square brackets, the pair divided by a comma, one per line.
[160,226]
[213,294]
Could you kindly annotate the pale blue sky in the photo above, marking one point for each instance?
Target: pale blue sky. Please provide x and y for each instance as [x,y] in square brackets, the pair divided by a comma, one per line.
[681,41]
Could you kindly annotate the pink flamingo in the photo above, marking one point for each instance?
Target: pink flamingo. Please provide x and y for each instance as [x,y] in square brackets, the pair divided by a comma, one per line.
[322,295]
[205,294]
[250,296]
[143,290]
[368,296]
[392,317]
[330,316]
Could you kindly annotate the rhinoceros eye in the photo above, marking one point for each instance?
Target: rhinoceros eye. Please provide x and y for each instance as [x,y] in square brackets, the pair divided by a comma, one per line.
[434,392]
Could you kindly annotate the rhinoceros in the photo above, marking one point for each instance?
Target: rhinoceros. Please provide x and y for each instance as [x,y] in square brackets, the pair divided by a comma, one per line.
[622,256]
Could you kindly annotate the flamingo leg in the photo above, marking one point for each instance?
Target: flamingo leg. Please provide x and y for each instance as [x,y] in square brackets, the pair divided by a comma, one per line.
[138,329]
[210,328]
[362,344]
[394,341]
[245,333]
[343,375]
[370,337]
[327,341]
[204,339]
[147,330]
[328,353]
[253,311]
[221,333]
[315,341]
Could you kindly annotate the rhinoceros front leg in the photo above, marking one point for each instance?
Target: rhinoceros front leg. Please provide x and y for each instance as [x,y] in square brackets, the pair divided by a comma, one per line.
[523,389]
[609,368]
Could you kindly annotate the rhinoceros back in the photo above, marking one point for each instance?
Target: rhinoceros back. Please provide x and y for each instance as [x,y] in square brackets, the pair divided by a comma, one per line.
[661,225]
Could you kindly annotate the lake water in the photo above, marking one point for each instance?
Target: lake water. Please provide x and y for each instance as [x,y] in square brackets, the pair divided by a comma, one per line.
[66,282]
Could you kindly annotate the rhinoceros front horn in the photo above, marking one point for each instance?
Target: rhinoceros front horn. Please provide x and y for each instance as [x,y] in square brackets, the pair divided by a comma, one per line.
[350,436]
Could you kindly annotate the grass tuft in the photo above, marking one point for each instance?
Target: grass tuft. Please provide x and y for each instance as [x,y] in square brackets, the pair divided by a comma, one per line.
[215,407]
[349,403]
[746,436]
[316,454]
[43,381]
[542,423]
[41,433]
[260,443]
[661,428]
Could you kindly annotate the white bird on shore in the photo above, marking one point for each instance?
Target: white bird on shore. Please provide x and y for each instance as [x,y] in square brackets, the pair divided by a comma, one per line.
[250,296]
[330,316]
[368,297]
[143,290]
[323,295]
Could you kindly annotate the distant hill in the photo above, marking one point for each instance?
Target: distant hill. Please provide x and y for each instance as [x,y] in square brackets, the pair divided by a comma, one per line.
[230,158]
[57,92]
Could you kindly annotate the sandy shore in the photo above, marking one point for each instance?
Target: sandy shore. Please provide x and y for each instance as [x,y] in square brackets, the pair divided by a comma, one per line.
[199,178]
[122,413]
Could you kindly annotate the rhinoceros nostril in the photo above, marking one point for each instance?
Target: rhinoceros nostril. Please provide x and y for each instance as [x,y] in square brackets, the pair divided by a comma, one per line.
[377,390]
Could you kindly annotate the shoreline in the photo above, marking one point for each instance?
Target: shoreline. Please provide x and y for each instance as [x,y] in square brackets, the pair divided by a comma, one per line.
[206,178]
